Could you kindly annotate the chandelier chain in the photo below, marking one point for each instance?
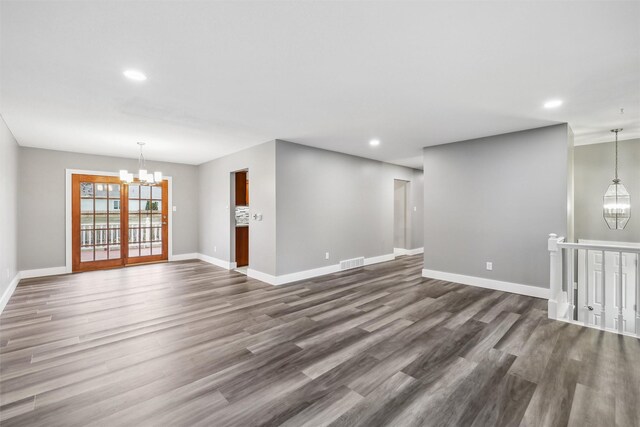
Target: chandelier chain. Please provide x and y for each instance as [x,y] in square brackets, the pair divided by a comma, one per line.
[141,161]
[616,180]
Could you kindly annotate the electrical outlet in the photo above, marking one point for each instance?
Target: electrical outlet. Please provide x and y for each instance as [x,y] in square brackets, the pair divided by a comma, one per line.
[175,208]
[215,249]
[415,209]
[326,255]
[489,266]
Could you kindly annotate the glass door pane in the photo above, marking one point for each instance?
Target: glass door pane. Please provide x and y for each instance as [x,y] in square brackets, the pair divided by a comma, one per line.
[96,218]
[147,222]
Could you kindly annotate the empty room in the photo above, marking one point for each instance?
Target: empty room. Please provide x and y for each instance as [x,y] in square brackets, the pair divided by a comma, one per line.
[319,213]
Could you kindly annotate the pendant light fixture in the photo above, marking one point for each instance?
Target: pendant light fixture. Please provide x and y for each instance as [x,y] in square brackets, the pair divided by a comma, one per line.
[617,202]
[143,176]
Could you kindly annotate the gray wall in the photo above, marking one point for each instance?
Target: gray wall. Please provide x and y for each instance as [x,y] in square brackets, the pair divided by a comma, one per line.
[41,202]
[594,170]
[216,201]
[570,187]
[496,199]
[9,209]
[337,203]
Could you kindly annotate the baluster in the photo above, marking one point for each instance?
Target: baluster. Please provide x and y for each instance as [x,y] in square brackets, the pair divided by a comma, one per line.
[603,288]
[619,299]
[587,312]
[572,304]
[555,273]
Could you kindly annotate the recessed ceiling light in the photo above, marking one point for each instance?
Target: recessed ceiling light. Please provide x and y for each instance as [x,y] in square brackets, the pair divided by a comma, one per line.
[554,103]
[374,142]
[135,75]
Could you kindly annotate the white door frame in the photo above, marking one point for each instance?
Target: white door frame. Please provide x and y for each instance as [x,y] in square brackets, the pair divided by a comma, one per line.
[407,218]
[68,212]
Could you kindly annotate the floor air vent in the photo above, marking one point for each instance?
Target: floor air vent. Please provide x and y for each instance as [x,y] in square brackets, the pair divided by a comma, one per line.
[352,263]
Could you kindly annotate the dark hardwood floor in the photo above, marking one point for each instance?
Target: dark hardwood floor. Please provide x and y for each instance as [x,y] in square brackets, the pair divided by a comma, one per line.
[188,343]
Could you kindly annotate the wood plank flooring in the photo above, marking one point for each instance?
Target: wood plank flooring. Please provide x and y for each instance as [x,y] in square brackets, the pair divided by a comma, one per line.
[187,343]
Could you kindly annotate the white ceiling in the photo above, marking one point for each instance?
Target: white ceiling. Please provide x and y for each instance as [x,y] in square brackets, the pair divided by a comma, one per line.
[223,76]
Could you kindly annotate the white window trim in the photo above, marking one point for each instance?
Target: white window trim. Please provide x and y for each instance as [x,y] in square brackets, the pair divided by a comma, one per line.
[68,213]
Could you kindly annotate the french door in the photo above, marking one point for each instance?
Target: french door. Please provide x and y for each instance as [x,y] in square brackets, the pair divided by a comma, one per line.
[116,224]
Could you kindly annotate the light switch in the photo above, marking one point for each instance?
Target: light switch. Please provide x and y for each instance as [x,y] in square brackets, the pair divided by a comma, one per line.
[175,208]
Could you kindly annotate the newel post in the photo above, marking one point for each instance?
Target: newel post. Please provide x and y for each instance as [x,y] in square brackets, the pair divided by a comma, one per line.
[555,276]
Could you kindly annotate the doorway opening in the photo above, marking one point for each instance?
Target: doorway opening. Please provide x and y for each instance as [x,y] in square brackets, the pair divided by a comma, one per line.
[114,224]
[400,217]
[240,220]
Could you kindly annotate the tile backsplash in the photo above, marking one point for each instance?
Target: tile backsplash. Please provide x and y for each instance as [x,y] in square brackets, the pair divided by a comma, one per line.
[242,215]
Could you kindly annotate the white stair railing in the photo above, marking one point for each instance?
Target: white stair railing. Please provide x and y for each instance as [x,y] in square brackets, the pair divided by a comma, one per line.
[597,285]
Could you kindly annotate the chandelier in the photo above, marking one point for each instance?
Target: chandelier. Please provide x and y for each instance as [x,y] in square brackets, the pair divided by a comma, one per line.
[617,202]
[143,175]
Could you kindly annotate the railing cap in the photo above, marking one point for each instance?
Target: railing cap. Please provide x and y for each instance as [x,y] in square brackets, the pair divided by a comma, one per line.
[552,243]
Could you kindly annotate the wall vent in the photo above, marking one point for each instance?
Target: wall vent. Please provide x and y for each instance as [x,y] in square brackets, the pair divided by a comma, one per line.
[352,263]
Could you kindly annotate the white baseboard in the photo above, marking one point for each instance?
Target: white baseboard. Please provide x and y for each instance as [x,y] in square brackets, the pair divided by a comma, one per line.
[215,261]
[402,251]
[9,291]
[28,274]
[292,277]
[263,277]
[308,274]
[415,251]
[184,257]
[380,258]
[42,272]
[481,282]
